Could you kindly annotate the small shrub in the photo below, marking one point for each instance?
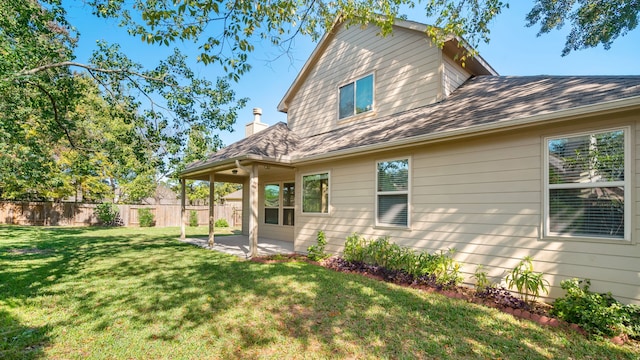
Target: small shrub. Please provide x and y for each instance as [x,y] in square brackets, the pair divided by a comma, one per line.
[439,269]
[145,217]
[482,280]
[221,223]
[596,313]
[108,214]
[632,322]
[193,218]
[526,281]
[445,268]
[402,258]
[378,252]
[354,248]
[421,264]
[317,252]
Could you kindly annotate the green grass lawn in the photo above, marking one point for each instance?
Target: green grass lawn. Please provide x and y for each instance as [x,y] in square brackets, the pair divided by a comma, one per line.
[132,293]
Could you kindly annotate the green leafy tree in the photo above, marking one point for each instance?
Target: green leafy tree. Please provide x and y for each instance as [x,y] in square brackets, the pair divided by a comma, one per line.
[172,114]
[198,191]
[118,125]
[224,189]
[225,31]
[592,22]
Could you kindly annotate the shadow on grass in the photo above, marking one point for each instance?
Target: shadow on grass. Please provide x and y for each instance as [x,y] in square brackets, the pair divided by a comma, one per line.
[130,284]
[18,341]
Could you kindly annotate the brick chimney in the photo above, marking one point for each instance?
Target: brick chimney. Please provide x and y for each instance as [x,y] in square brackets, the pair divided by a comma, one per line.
[255,126]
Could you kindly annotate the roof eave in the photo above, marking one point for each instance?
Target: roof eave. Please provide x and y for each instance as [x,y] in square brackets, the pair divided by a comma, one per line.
[283,106]
[561,115]
[225,163]
[476,63]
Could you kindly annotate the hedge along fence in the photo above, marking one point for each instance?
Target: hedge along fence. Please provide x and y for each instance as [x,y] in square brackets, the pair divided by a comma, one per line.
[79,214]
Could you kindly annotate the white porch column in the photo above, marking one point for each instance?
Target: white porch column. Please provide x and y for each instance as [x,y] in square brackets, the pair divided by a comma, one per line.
[212,209]
[253,208]
[183,208]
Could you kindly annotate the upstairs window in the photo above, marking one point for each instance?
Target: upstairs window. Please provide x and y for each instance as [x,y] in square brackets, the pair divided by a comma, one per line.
[356,97]
[587,185]
[393,193]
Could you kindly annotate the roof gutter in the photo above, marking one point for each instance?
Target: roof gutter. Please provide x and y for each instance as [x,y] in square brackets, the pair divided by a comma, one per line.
[561,115]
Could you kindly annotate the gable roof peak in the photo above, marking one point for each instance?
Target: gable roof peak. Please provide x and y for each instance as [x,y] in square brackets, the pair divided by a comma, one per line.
[476,64]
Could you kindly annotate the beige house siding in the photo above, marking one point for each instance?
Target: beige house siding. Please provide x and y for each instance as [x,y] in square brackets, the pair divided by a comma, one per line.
[482,196]
[453,76]
[406,75]
[276,232]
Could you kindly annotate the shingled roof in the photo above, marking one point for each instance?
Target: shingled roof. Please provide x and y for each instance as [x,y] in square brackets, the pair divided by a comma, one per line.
[496,101]
[276,143]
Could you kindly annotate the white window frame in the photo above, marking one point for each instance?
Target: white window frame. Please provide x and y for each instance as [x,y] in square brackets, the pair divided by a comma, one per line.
[407,192]
[284,207]
[373,96]
[626,184]
[301,192]
[281,205]
[264,203]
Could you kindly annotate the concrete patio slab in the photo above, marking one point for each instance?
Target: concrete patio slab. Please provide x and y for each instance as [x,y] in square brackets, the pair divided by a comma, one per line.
[238,245]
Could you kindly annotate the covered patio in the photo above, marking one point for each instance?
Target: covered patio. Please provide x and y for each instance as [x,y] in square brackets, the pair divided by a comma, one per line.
[258,161]
[239,245]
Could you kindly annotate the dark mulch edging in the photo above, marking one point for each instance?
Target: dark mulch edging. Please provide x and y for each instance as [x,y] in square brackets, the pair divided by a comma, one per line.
[497,298]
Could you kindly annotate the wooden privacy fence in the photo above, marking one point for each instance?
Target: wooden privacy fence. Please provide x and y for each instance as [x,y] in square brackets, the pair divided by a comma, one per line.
[79,214]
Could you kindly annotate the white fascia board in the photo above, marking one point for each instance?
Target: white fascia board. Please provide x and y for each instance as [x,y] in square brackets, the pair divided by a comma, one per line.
[283,105]
[231,162]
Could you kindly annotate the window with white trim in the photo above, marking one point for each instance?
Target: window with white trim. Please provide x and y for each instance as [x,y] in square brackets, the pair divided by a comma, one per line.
[392,193]
[288,203]
[315,193]
[279,203]
[272,204]
[587,185]
[356,97]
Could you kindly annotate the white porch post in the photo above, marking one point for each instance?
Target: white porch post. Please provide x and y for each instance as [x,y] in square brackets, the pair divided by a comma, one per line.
[183,208]
[253,208]
[212,209]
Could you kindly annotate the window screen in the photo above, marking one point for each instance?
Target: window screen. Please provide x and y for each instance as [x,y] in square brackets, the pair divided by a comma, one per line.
[393,193]
[586,185]
[315,193]
[356,97]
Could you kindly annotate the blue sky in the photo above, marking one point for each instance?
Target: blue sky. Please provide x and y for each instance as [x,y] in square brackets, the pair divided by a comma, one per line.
[514,49]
